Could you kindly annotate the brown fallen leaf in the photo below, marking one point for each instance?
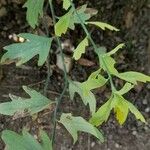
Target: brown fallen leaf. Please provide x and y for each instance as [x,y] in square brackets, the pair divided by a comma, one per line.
[86,62]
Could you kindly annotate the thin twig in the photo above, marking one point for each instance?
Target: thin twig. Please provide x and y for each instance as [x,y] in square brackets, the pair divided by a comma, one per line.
[65,75]
[47,61]
[48,76]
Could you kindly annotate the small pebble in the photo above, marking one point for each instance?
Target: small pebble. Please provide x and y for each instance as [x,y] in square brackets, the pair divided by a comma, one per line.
[146,128]
[147,110]
[134,132]
[92,144]
[145,101]
[117,145]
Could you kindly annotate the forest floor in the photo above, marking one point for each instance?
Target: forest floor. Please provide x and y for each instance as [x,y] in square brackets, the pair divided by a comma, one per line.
[132,18]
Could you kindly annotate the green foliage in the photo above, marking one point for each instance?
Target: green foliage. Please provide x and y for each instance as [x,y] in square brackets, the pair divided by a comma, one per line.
[37,45]
[25,141]
[23,52]
[63,24]
[102,25]
[22,106]
[66,4]
[70,19]
[75,124]
[121,108]
[34,10]
[133,77]
[80,49]
[94,81]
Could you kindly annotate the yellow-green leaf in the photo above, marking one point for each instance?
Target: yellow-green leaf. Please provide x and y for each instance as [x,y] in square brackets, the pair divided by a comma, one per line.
[108,64]
[116,49]
[103,25]
[88,98]
[66,4]
[121,109]
[133,77]
[126,88]
[63,24]
[102,114]
[135,111]
[80,49]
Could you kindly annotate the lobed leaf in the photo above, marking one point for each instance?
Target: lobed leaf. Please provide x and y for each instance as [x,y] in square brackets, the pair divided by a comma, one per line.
[126,88]
[63,24]
[121,109]
[80,49]
[70,19]
[102,114]
[34,10]
[133,77]
[108,64]
[46,143]
[23,106]
[25,141]
[75,124]
[136,112]
[94,81]
[66,4]
[116,49]
[88,98]
[23,52]
[103,25]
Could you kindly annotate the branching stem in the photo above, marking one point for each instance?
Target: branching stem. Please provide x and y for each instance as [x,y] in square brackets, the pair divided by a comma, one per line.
[93,44]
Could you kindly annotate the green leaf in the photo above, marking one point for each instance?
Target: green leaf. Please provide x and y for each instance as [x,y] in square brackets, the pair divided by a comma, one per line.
[23,52]
[133,77]
[22,106]
[103,25]
[21,142]
[80,49]
[120,108]
[66,4]
[126,88]
[46,142]
[116,49]
[82,14]
[135,111]
[70,19]
[63,24]
[108,64]
[24,141]
[75,124]
[34,10]
[102,114]
[94,81]
[88,98]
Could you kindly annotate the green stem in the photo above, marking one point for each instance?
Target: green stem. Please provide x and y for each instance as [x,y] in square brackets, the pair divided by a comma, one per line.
[93,44]
[65,74]
[47,61]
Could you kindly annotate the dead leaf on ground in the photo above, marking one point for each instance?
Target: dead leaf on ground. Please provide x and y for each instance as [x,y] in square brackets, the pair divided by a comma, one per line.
[86,62]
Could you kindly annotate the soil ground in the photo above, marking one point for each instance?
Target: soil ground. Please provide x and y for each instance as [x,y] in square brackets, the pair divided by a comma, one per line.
[132,18]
